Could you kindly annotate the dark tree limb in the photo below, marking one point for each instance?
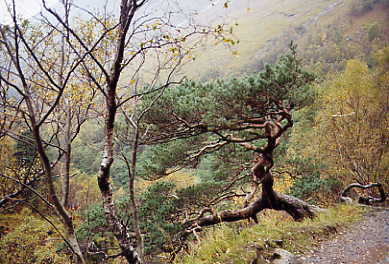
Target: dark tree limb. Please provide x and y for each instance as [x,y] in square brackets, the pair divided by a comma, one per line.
[364,200]
[261,173]
[255,124]
[297,208]
[11,196]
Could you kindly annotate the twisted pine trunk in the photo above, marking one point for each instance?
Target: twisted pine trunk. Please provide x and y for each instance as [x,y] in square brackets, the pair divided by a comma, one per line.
[261,173]
[269,199]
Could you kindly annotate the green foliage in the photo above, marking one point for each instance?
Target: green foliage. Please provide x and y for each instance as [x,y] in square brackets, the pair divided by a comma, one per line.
[157,216]
[309,181]
[340,37]
[197,196]
[338,139]
[156,161]
[84,190]
[236,243]
[224,165]
[217,103]
[93,225]
[119,173]
[85,158]
[86,148]
[157,212]
[222,102]
[308,186]
[353,121]
[94,228]
[300,159]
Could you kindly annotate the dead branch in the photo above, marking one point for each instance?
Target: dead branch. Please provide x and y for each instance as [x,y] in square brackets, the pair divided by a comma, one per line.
[364,200]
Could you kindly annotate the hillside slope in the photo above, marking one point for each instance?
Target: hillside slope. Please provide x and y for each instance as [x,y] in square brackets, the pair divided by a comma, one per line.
[265,28]
[260,25]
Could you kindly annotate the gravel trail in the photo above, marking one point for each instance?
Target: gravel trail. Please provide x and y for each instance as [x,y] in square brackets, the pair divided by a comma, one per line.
[365,242]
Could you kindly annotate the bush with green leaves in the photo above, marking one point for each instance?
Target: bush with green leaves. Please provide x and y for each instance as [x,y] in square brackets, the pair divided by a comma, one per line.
[309,182]
[157,214]
[156,161]
[94,224]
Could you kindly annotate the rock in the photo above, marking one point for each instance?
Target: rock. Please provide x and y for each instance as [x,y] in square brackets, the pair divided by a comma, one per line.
[282,256]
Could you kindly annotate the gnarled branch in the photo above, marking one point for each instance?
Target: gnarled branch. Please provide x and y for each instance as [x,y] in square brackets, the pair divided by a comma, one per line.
[364,200]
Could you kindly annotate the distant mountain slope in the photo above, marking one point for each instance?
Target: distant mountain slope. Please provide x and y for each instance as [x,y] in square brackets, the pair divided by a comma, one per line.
[321,28]
[259,23]
[265,28]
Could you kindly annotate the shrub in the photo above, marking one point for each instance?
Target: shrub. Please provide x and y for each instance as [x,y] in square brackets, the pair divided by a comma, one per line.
[32,241]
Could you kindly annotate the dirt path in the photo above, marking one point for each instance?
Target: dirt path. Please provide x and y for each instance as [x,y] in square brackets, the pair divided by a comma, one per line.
[366,242]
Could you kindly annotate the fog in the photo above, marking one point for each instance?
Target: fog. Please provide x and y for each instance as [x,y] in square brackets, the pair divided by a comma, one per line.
[203,11]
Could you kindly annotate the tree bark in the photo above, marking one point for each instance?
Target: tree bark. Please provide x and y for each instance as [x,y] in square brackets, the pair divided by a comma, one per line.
[269,199]
[364,200]
[67,158]
[65,217]
[134,207]
[65,186]
[261,173]
[120,231]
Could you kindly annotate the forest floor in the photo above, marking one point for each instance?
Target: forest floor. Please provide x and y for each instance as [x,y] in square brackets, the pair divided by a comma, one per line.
[364,242]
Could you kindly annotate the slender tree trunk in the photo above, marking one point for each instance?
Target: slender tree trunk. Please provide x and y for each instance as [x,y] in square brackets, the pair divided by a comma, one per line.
[66,176]
[68,122]
[134,207]
[66,159]
[65,217]
[119,230]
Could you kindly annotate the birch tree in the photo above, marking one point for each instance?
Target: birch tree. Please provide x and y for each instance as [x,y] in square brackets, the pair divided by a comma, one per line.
[123,57]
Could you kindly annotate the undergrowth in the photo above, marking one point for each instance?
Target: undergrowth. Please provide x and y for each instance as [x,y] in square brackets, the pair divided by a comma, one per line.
[237,243]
